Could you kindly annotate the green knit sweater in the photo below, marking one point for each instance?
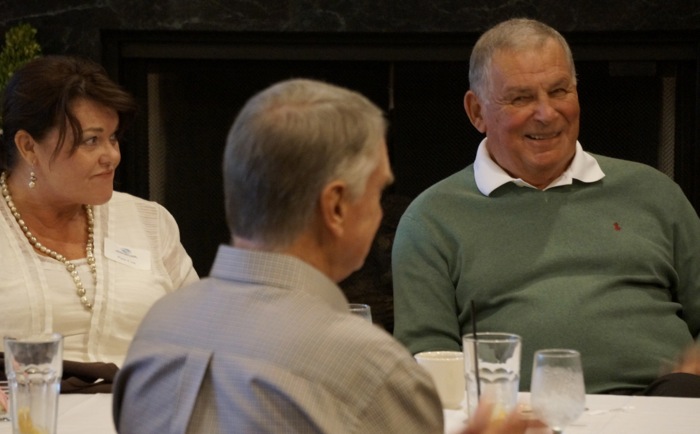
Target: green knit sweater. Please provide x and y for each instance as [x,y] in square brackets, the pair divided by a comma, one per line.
[610,268]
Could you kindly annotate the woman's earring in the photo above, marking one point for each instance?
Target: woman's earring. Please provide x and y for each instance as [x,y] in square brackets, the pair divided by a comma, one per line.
[32,179]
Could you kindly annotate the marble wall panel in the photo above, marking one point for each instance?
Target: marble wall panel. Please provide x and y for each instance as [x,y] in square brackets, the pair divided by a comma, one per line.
[74,26]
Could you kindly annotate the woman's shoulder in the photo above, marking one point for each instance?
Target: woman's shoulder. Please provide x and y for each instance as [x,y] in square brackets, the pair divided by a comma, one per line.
[121,200]
[133,207]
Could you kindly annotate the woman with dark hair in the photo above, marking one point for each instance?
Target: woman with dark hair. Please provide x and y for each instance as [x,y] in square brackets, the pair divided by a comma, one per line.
[77,257]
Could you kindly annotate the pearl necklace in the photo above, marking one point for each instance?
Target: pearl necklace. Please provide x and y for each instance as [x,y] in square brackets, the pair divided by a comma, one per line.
[70,266]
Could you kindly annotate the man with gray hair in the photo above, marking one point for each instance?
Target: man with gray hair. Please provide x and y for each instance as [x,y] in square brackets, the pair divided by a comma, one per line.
[565,248]
[267,343]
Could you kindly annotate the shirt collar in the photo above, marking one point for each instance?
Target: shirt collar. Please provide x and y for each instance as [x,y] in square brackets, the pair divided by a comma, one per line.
[489,175]
[276,270]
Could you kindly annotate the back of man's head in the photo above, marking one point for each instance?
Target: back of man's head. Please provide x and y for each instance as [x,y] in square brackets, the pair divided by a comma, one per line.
[289,141]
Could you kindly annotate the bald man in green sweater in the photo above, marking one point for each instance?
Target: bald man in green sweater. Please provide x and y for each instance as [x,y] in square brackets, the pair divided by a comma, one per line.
[565,248]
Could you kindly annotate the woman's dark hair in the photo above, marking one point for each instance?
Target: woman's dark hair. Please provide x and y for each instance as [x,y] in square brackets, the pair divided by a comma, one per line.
[39,96]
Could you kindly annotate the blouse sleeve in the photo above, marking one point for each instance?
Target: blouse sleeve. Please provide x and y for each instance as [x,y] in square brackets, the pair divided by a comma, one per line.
[176,260]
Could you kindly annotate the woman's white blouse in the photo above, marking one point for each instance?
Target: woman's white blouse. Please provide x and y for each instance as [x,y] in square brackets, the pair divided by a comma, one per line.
[38,295]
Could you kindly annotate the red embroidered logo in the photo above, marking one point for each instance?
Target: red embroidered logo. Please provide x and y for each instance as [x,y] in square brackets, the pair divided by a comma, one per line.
[617,226]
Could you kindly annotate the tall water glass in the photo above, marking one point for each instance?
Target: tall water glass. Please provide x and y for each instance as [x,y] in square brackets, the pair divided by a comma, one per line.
[34,365]
[557,391]
[492,371]
[363,310]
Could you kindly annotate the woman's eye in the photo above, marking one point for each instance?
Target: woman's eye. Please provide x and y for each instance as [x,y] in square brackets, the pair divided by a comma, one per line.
[90,141]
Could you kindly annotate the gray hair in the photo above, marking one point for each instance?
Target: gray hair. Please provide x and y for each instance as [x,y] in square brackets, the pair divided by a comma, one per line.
[514,34]
[285,145]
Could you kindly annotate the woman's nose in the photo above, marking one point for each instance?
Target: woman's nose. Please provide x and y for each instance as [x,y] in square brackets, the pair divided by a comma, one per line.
[110,156]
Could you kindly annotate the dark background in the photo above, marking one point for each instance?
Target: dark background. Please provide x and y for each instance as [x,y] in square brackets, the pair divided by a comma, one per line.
[410,57]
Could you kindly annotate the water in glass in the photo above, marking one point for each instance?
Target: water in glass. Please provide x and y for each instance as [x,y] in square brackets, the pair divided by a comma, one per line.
[557,391]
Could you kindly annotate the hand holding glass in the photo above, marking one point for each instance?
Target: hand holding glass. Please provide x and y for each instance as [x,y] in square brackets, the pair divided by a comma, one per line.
[557,392]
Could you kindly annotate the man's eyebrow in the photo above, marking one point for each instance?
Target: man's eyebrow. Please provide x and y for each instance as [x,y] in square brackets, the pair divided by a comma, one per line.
[517,89]
[564,81]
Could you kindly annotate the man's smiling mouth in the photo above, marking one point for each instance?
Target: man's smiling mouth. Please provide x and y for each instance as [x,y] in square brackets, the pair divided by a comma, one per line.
[541,136]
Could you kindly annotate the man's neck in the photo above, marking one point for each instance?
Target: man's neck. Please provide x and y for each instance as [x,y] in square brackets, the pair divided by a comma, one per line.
[305,247]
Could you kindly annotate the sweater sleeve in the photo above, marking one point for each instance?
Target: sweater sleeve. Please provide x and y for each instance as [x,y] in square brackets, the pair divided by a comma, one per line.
[425,307]
[687,261]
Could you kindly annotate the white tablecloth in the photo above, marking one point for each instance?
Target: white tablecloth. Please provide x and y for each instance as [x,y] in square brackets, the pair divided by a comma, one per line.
[605,414]
[80,414]
[616,414]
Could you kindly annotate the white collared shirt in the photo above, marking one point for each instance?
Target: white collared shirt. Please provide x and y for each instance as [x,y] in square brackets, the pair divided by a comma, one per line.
[489,175]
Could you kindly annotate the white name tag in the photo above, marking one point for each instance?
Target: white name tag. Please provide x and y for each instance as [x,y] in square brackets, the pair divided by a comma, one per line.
[137,258]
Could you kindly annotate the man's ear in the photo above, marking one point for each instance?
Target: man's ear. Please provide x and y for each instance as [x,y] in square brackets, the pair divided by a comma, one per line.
[333,203]
[473,107]
[26,146]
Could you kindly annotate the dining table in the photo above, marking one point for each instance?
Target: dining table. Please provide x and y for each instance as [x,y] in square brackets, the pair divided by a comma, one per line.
[612,414]
[80,414]
[604,414]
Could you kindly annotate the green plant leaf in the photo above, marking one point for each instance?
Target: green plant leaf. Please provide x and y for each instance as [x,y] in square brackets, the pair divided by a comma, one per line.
[20,47]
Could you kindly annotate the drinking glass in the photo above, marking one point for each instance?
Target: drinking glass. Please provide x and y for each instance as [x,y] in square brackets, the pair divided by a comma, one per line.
[557,393]
[34,365]
[492,371]
[362,310]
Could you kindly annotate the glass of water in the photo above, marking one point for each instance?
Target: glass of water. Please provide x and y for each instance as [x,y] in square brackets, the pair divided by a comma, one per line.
[362,310]
[492,371]
[34,365]
[557,391]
